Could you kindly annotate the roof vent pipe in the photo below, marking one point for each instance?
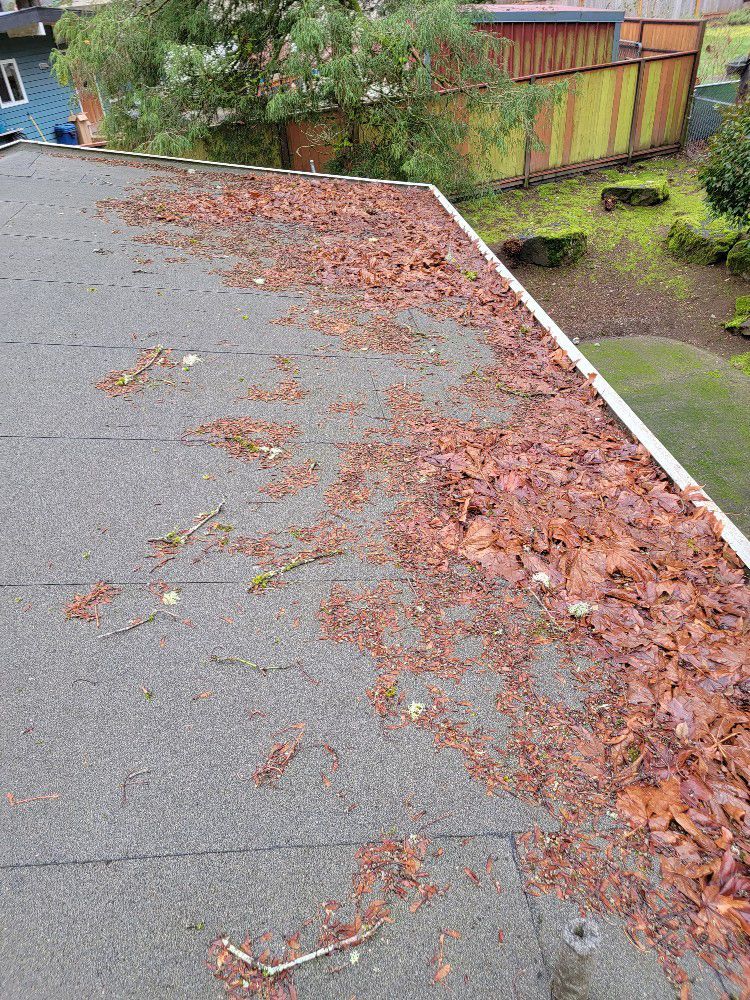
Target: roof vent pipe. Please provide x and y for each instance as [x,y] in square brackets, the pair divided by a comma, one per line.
[571,979]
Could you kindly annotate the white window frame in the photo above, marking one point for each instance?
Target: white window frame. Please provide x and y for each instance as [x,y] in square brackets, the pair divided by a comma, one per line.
[14,64]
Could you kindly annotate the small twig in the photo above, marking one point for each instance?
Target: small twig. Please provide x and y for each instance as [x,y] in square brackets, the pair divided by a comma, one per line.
[131,779]
[276,970]
[141,621]
[263,579]
[127,628]
[158,351]
[555,624]
[250,663]
[32,798]
[180,537]
[525,395]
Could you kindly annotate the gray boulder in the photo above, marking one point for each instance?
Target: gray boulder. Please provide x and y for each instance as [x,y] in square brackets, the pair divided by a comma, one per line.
[548,247]
[637,192]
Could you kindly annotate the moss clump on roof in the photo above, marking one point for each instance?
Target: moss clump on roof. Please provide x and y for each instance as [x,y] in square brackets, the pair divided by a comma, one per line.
[638,192]
[549,247]
[700,241]
[741,319]
[738,259]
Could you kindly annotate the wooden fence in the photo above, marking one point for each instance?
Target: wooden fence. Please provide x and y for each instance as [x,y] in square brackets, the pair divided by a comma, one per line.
[611,113]
[537,46]
[657,37]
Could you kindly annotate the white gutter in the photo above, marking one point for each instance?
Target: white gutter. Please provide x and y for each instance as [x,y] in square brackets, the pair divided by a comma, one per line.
[679,475]
[731,534]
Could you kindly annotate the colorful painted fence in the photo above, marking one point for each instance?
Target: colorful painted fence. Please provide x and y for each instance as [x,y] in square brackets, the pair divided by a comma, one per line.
[657,37]
[538,47]
[610,113]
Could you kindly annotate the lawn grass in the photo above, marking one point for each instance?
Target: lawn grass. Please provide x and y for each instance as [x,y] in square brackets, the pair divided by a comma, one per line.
[722,43]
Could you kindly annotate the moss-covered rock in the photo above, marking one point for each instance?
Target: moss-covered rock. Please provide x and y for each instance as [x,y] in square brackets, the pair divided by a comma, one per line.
[637,192]
[700,241]
[740,322]
[738,259]
[548,247]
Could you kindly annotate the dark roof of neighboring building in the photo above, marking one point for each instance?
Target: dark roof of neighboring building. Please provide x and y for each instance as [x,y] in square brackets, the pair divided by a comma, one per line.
[510,13]
[14,19]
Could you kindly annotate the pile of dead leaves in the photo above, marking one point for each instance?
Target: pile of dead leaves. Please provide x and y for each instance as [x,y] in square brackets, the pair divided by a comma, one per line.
[279,757]
[86,606]
[586,519]
[244,438]
[285,391]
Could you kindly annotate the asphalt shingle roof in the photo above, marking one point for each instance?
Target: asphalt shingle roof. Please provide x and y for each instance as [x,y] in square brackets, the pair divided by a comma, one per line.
[145,835]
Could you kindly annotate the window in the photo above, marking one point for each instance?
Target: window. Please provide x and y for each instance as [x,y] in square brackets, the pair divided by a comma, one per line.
[11,84]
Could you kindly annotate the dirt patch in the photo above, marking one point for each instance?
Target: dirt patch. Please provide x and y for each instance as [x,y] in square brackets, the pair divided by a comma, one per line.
[627,284]
[592,301]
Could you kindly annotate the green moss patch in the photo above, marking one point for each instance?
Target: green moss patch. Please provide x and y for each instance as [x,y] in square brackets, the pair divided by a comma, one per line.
[742,362]
[695,402]
[738,259]
[632,239]
[741,319]
[700,240]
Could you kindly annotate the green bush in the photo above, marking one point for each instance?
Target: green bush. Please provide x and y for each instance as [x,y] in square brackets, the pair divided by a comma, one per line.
[726,173]
[741,16]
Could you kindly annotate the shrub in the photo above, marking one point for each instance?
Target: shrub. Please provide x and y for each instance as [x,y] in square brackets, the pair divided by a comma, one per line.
[726,173]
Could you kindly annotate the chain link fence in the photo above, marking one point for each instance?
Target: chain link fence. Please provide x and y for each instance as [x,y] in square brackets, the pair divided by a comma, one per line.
[709,101]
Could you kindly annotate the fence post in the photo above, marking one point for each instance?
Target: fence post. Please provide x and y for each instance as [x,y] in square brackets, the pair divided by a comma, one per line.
[284,154]
[527,150]
[636,102]
[693,78]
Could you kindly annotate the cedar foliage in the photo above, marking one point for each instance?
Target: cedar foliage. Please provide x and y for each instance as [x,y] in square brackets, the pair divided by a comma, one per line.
[726,172]
[222,76]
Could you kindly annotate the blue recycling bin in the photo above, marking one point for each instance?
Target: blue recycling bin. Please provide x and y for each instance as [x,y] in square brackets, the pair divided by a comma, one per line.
[66,135]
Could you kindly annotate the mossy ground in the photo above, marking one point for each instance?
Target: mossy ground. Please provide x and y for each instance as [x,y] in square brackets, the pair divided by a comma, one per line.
[633,238]
[738,260]
[696,403]
[741,313]
[741,362]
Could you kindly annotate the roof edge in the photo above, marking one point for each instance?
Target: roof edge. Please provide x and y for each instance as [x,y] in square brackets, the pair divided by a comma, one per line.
[520,14]
[679,475]
[12,20]
[94,151]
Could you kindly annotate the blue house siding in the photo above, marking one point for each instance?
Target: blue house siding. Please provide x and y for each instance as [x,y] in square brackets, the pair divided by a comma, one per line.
[49,103]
